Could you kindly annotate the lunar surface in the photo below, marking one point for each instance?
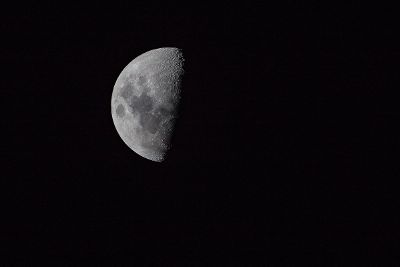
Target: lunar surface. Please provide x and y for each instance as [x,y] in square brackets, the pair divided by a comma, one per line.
[145,99]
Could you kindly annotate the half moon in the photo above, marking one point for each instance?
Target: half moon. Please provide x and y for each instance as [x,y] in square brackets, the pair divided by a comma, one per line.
[145,99]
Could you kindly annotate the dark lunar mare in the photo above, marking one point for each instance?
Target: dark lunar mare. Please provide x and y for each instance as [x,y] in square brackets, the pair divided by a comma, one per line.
[143,103]
[127,91]
[120,110]
[150,122]
[150,117]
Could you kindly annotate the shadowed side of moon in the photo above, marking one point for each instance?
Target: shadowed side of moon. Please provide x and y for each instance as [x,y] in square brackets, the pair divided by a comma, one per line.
[145,100]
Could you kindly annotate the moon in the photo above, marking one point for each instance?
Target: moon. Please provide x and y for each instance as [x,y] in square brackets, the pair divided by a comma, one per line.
[145,100]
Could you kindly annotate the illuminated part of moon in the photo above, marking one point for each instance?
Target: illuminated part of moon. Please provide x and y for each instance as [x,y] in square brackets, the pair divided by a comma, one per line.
[145,99]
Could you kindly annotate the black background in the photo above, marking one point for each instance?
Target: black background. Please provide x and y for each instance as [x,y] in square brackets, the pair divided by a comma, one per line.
[285,149]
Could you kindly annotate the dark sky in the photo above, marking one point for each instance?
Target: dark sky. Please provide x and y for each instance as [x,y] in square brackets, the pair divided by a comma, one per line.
[283,150]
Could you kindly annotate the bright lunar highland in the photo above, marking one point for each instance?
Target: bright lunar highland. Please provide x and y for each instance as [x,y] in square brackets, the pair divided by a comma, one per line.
[145,100]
